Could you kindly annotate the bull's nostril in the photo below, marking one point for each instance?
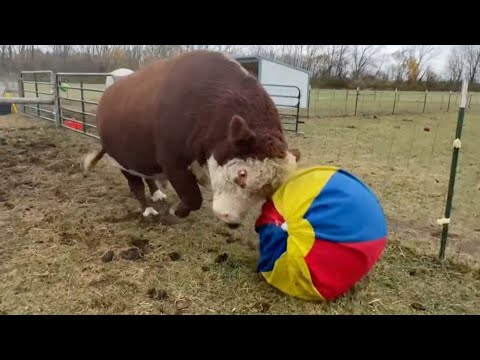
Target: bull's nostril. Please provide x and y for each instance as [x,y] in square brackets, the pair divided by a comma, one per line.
[233,226]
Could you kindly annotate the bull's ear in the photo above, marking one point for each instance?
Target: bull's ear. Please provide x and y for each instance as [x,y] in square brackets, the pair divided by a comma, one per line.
[239,133]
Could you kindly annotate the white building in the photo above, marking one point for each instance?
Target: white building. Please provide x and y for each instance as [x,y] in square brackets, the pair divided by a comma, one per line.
[280,79]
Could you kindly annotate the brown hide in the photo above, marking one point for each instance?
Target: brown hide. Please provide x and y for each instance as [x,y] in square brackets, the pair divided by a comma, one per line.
[178,110]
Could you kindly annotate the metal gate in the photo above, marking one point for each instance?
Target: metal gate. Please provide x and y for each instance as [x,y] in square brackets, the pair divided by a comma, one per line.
[78,96]
[74,97]
[41,84]
[280,96]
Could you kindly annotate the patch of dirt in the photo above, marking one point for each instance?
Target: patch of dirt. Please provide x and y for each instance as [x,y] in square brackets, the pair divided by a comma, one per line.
[141,244]
[131,254]
[79,245]
[108,256]
[174,256]
[221,258]
[157,294]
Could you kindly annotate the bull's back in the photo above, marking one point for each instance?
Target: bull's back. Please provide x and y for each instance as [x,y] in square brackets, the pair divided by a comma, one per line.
[178,108]
[125,123]
[198,97]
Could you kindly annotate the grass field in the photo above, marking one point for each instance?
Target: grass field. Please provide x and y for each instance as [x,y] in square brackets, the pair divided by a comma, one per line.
[57,226]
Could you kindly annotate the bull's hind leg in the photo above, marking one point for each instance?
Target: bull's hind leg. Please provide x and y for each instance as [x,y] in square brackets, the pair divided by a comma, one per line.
[137,187]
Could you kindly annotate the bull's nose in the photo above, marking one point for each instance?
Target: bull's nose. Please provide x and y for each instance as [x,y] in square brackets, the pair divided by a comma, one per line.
[231,221]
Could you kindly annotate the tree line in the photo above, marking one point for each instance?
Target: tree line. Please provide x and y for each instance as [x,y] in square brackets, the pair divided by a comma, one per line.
[332,66]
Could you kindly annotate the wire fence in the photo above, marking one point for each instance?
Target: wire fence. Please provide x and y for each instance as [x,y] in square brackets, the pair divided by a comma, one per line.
[406,159]
[337,103]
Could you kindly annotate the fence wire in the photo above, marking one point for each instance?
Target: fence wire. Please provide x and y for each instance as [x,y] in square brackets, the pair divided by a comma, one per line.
[338,102]
[405,160]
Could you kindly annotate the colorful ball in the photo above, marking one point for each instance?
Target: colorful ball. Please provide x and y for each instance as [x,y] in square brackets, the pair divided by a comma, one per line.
[321,232]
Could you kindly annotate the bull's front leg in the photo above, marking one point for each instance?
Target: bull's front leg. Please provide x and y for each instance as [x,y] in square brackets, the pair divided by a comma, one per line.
[186,187]
[201,174]
[156,193]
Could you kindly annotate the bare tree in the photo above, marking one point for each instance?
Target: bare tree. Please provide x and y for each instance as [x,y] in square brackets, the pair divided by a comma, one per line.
[134,55]
[336,61]
[3,56]
[310,57]
[455,65]
[415,60]
[423,55]
[363,57]
[471,54]
[266,51]
[162,51]
[62,51]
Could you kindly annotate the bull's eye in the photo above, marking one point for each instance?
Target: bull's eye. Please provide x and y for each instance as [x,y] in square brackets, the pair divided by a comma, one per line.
[241,178]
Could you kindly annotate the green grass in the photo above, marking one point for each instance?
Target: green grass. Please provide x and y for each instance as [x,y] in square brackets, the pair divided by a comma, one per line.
[56,232]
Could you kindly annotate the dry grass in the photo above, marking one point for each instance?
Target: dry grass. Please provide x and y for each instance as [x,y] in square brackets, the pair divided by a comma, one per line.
[57,226]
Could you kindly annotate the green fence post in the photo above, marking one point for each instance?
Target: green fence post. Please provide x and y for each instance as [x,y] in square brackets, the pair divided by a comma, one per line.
[453,170]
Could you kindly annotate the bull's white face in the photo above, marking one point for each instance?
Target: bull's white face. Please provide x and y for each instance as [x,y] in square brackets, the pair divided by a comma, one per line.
[240,185]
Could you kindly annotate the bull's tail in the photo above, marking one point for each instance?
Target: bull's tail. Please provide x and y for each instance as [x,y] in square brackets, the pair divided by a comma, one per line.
[91,159]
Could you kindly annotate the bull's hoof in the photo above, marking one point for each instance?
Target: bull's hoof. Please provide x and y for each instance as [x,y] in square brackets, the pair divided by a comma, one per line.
[180,211]
[158,195]
[150,211]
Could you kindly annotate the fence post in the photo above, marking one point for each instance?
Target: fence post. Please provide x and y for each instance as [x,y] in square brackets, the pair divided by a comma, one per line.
[449,97]
[298,111]
[82,97]
[394,101]
[308,100]
[425,100]
[346,101]
[56,100]
[453,169]
[470,101]
[35,80]
[356,100]
[21,92]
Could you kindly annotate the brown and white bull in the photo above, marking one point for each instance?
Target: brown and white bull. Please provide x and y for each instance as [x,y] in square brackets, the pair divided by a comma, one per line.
[196,118]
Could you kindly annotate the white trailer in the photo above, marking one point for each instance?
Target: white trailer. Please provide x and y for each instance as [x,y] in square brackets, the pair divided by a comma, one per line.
[282,81]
